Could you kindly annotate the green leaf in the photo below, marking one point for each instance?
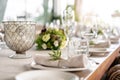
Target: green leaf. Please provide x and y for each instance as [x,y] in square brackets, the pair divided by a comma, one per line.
[100,32]
[91,43]
[55,55]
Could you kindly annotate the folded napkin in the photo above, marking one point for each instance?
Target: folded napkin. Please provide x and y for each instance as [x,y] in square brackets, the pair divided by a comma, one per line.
[114,39]
[78,61]
[98,51]
[100,44]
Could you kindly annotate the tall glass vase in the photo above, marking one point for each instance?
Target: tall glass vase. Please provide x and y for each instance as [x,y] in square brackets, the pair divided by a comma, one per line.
[19,36]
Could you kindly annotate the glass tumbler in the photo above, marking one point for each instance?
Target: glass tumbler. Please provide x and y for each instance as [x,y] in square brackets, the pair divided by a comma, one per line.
[82,47]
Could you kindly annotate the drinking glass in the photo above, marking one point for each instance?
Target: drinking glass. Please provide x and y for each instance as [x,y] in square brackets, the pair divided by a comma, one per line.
[77,47]
[68,26]
[70,49]
[68,22]
[87,28]
[82,47]
[87,32]
[19,36]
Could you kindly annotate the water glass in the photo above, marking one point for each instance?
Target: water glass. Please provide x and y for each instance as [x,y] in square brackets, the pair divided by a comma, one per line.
[78,46]
[70,49]
[82,47]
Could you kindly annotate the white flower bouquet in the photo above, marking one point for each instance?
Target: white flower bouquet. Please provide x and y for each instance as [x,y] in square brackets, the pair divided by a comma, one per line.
[51,39]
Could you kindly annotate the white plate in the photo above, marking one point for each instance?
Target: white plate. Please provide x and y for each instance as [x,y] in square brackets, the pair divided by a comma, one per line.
[98,51]
[36,66]
[46,75]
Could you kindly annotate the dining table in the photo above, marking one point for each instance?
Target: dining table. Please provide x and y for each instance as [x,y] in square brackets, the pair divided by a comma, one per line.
[9,68]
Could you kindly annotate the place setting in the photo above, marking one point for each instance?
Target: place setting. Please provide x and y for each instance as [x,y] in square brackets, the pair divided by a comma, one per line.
[99,47]
[98,52]
[64,60]
[76,63]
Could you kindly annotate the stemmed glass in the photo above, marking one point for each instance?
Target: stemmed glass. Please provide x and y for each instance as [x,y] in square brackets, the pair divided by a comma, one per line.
[88,29]
[68,22]
[86,36]
[68,26]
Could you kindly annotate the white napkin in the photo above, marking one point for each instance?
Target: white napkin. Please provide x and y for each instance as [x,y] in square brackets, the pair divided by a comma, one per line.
[114,39]
[101,44]
[78,61]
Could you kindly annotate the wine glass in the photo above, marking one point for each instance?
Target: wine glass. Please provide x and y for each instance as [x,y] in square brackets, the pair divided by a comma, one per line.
[87,32]
[68,22]
[69,27]
[88,29]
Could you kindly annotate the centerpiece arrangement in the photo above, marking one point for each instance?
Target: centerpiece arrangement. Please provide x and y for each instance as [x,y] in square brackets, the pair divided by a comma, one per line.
[51,39]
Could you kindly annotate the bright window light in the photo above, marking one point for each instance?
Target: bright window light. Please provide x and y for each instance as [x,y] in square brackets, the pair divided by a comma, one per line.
[19,7]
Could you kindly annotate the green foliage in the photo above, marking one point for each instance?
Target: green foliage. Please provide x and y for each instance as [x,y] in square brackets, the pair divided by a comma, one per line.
[100,32]
[91,43]
[55,55]
[91,31]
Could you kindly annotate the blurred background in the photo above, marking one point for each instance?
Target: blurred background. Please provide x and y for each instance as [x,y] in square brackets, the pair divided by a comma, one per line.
[45,11]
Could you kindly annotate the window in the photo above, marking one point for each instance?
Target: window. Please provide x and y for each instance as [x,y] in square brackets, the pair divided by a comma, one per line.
[27,9]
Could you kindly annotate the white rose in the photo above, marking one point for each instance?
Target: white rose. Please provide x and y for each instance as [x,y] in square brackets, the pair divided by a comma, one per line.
[56,43]
[46,37]
[44,46]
